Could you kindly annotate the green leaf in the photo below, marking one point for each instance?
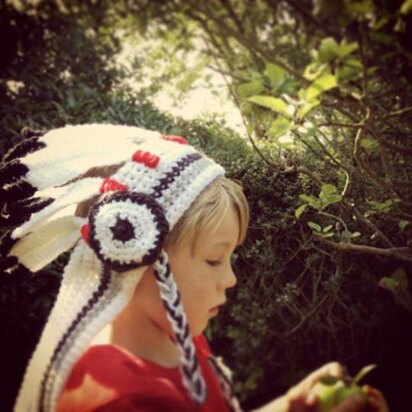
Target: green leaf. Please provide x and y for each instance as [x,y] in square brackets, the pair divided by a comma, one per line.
[388,283]
[313,70]
[273,103]
[351,69]
[406,7]
[328,50]
[327,189]
[398,285]
[320,85]
[312,201]
[403,224]
[300,210]
[369,144]
[345,235]
[400,275]
[329,195]
[326,229]
[307,129]
[345,49]
[361,7]
[279,127]
[307,107]
[276,75]
[315,227]
[250,88]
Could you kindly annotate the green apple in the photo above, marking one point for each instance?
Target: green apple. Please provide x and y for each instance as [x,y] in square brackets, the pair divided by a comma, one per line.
[346,391]
[331,391]
[325,391]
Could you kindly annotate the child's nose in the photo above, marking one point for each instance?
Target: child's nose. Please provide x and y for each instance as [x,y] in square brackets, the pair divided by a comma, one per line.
[228,279]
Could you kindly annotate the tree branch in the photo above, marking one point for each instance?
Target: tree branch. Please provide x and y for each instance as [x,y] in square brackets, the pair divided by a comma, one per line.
[401,253]
[399,112]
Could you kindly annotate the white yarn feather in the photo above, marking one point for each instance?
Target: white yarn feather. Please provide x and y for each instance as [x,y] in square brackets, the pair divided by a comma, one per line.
[75,193]
[41,247]
[83,146]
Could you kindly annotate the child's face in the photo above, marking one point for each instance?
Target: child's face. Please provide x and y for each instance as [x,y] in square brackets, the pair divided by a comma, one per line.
[204,274]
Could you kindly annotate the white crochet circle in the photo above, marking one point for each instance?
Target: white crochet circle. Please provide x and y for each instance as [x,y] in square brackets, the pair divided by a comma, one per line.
[144,225]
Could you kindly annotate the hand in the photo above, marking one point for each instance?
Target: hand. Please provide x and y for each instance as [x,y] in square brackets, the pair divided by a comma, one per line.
[300,398]
[376,400]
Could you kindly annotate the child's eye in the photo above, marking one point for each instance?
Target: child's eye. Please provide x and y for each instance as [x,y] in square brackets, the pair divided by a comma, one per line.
[213,262]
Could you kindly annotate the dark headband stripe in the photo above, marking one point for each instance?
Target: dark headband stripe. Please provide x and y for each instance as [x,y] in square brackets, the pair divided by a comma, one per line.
[174,172]
[24,148]
[88,307]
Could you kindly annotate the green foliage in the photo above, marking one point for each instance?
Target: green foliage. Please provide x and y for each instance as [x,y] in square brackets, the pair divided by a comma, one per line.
[397,283]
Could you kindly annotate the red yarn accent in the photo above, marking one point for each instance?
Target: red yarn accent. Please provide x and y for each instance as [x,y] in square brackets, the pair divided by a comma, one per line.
[84,230]
[111,185]
[147,158]
[176,139]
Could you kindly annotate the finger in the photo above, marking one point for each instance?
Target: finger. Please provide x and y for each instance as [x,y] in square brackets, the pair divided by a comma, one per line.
[331,368]
[298,405]
[354,403]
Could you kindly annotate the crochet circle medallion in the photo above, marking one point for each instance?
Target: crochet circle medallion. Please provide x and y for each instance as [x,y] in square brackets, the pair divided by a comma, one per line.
[127,230]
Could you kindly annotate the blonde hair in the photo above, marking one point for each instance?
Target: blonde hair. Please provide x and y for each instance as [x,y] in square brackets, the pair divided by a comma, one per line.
[206,212]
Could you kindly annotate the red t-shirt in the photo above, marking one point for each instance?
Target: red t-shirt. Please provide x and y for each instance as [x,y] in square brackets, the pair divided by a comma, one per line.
[108,378]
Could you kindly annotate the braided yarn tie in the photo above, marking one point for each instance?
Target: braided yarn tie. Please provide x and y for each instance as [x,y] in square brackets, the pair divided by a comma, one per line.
[225,382]
[190,369]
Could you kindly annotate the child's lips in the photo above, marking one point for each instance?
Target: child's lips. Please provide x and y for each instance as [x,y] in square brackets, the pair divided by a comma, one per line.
[214,311]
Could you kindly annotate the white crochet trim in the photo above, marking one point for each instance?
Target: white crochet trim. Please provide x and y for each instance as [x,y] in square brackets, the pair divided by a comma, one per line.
[75,193]
[41,247]
[143,222]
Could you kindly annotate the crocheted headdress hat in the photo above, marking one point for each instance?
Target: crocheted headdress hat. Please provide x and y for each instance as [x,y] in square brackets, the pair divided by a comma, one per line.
[42,182]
